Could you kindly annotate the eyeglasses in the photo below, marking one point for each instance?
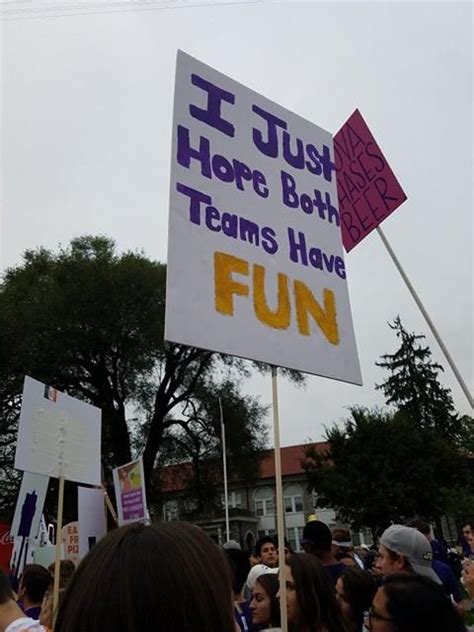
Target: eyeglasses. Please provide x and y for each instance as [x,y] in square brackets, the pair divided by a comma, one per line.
[371,614]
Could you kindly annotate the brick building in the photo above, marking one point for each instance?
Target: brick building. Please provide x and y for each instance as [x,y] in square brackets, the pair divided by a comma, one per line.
[251,507]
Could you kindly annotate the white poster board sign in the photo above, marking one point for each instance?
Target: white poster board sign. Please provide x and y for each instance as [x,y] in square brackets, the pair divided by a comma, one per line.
[58,434]
[71,542]
[29,505]
[255,258]
[92,518]
[129,484]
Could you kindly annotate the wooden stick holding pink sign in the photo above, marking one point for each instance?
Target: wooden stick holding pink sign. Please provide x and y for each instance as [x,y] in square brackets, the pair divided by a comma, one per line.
[368,192]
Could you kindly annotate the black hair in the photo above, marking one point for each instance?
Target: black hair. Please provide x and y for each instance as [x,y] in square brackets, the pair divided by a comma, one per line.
[239,564]
[416,604]
[36,580]
[421,525]
[5,589]
[265,539]
[168,573]
[319,535]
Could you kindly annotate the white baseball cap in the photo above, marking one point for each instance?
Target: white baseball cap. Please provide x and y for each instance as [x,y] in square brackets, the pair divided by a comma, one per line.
[256,571]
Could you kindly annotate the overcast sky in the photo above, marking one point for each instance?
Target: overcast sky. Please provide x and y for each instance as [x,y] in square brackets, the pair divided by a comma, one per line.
[86,132]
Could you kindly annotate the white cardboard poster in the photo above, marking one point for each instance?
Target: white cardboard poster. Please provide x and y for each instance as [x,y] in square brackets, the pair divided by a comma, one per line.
[58,434]
[255,259]
[70,534]
[92,518]
[29,505]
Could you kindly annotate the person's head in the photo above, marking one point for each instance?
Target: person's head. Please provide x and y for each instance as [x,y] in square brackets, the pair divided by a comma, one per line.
[341,540]
[422,526]
[265,605]
[66,571]
[412,603]
[405,550]
[310,600]
[467,530]
[288,550]
[256,571]
[46,614]
[355,590]
[34,582]
[317,538]
[6,593]
[266,551]
[239,563]
[168,572]
[347,559]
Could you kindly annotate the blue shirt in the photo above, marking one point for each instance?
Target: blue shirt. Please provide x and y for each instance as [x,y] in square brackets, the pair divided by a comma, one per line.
[449,581]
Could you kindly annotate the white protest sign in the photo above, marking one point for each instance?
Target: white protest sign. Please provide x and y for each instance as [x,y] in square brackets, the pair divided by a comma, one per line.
[29,505]
[58,434]
[255,258]
[92,520]
[71,542]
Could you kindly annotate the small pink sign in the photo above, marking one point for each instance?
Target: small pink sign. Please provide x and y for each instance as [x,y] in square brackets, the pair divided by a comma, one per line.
[367,188]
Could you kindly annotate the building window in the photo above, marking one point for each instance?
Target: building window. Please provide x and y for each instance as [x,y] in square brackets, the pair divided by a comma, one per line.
[294,504]
[294,536]
[264,502]
[270,532]
[170,511]
[264,507]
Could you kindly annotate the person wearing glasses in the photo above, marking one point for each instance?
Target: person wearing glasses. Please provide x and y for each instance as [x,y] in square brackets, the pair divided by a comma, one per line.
[412,603]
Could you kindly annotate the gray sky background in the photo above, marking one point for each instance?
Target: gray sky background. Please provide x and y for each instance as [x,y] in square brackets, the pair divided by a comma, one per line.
[86,131]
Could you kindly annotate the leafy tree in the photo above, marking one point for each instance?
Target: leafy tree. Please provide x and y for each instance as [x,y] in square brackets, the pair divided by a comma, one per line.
[196,439]
[90,321]
[379,467]
[413,386]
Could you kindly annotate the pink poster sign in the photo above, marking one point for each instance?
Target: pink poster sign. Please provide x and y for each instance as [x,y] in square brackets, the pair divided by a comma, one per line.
[367,188]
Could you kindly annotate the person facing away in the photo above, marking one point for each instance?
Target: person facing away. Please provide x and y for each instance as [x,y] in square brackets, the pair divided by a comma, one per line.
[266,551]
[34,582]
[311,603]
[343,548]
[12,617]
[450,583]
[265,606]
[412,603]
[166,576]
[239,566]
[317,540]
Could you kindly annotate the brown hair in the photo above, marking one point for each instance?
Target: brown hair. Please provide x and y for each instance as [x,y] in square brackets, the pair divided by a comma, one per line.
[269,583]
[317,602]
[359,590]
[66,571]
[169,576]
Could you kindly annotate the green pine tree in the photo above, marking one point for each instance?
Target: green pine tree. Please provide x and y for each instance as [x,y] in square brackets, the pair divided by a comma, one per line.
[413,386]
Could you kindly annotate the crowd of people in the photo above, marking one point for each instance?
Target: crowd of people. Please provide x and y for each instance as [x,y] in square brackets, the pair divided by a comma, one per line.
[173,577]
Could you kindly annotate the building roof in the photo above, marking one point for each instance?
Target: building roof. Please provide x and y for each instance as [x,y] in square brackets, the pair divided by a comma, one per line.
[174,478]
[291,460]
